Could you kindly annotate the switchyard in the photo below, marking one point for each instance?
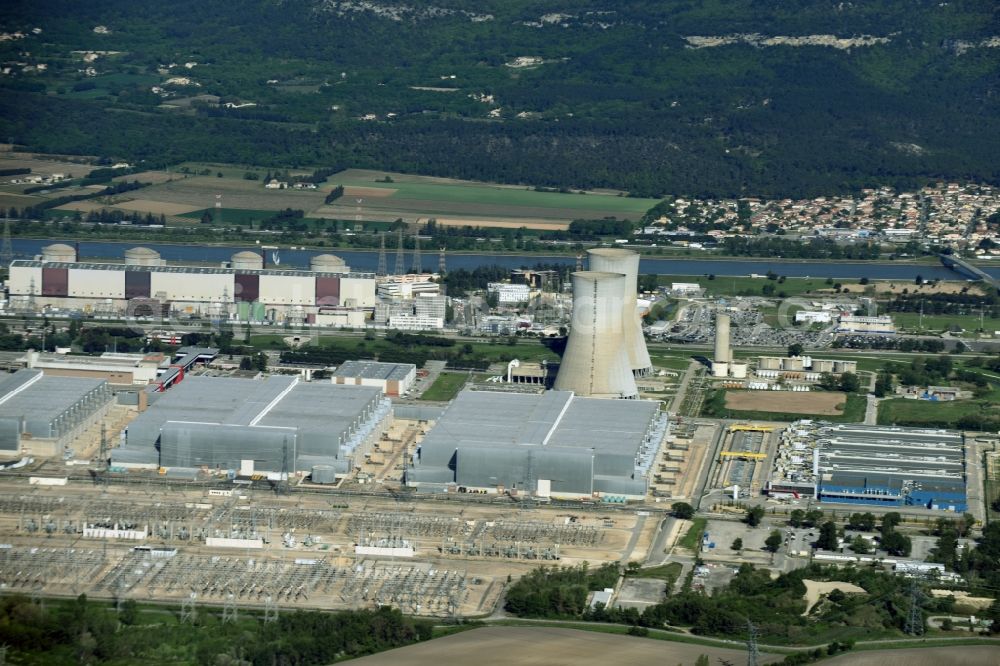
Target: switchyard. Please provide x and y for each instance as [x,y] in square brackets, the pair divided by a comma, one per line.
[243,547]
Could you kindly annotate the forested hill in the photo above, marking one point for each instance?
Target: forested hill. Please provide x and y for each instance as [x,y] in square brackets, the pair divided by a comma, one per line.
[706,98]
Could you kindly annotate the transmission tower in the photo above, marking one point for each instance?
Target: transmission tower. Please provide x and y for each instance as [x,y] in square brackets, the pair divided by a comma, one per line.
[381,255]
[270,610]
[187,608]
[6,250]
[441,263]
[915,617]
[229,610]
[282,487]
[400,260]
[579,262]
[418,266]
[752,652]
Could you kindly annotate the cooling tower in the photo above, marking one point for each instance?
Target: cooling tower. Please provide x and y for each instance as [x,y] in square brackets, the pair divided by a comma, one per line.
[619,260]
[595,363]
[722,352]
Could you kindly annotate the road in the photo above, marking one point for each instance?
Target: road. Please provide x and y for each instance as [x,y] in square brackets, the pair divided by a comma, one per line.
[689,373]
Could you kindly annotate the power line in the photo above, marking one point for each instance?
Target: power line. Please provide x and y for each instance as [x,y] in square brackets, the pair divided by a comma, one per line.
[381,255]
[400,260]
[753,653]
[915,617]
[418,266]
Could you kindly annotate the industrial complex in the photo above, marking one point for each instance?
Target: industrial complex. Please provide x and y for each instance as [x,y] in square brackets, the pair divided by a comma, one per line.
[875,465]
[144,286]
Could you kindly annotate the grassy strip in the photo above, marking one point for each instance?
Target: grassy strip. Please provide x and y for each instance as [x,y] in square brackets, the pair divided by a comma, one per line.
[693,535]
[668,572]
[446,386]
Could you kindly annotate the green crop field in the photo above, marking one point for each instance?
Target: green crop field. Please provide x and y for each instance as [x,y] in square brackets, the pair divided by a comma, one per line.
[426,189]
[733,286]
[911,321]
[903,411]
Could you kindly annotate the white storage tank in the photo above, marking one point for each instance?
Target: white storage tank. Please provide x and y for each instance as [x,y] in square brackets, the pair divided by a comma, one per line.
[324,474]
[142,256]
[738,370]
[59,252]
[247,260]
[720,369]
[328,263]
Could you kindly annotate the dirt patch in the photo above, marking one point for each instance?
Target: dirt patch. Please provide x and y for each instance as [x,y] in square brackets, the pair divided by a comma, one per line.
[544,646]
[970,655]
[815,589]
[787,402]
[155,207]
[154,177]
[355,191]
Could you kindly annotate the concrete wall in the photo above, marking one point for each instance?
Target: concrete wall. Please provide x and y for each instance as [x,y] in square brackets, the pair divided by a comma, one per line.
[202,287]
[90,283]
[287,290]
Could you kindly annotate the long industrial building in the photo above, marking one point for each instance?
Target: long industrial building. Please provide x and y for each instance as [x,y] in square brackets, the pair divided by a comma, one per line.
[268,426]
[41,415]
[879,465]
[551,444]
[243,290]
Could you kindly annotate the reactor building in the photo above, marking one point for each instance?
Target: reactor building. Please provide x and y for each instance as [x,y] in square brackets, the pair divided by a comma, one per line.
[279,424]
[550,444]
[626,262]
[241,290]
[596,362]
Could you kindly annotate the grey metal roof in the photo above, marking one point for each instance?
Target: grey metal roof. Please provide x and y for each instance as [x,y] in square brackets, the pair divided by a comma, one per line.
[203,270]
[374,370]
[221,413]
[46,398]
[487,438]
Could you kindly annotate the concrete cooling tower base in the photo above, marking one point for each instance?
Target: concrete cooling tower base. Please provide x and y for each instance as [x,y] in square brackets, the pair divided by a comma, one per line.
[596,362]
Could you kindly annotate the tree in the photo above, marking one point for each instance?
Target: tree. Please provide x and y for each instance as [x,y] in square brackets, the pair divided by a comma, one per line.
[813,517]
[864,522]
[896,544]
[796,517]
[860,545]
[773,541]
[828,536]
[795,349]
[849,382]
[890,521]
[682,510]
[737,544]
[754,515]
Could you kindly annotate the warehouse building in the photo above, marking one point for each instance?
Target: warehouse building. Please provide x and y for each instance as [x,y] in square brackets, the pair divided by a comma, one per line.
[119,369]
[42,415]
[258,426]
[551,444]
[393,379]
[879,465]
[241,291]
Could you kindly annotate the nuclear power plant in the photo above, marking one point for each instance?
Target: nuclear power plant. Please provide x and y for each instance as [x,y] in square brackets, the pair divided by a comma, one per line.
[596,363]
[626,262]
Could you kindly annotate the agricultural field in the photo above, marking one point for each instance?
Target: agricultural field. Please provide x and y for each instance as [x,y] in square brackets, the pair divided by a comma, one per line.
[784,406]
[814,402]
[969,323]
[466,203]
[905,411]
[551,645]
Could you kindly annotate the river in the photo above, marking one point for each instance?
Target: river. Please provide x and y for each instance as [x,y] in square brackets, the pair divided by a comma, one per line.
[368,261]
